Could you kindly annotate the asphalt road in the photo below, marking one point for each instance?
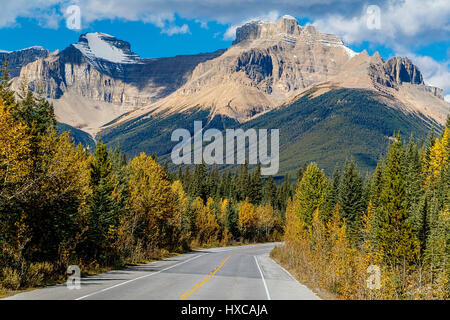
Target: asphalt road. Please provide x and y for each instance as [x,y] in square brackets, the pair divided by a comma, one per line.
[231,273]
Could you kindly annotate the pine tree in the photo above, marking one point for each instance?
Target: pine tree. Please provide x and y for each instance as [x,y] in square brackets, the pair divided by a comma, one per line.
[394,236]
[231,221]
[351,199]
[284,192]
[255,186]
[199,186]
[104,209]
[269,192]
[332,194]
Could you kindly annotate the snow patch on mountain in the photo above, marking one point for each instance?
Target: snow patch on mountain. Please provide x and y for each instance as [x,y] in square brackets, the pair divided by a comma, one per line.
[24,49]
[288,17]
[102,46]
[350,52]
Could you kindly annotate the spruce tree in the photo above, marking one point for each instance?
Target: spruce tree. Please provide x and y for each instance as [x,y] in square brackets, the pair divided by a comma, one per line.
[255,186]
[269,192]
[199,182]
[332,194]
[104,209]
[351,199]
[394,236]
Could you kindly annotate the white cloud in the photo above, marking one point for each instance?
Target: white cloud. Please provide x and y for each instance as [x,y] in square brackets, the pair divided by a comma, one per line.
[447,98]
[401,22]
[176,30]
[11,10]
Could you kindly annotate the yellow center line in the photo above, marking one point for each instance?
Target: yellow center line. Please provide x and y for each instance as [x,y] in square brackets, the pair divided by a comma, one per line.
[198,285]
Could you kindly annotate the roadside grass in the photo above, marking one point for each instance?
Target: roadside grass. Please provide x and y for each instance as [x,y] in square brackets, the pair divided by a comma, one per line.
[277,255]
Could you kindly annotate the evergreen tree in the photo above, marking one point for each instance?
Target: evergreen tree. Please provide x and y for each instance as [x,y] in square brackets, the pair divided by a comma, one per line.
[232,220]
[394,236]
[104,209]
[269,192]
[351,199]
[255,186]
[377,184]
[199,186]
[332,194]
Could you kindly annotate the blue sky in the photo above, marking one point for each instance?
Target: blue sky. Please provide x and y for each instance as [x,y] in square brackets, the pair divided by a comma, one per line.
[419,29]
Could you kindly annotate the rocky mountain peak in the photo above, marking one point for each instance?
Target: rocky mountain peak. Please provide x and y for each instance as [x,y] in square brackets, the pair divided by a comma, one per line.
[97,45]
[403,70]
[286,25]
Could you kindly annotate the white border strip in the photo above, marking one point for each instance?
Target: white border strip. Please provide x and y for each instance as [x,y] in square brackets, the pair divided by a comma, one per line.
[262,277]
[148,275]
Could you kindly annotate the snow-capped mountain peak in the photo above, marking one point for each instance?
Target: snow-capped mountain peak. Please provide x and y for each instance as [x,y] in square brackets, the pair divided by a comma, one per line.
[105,47]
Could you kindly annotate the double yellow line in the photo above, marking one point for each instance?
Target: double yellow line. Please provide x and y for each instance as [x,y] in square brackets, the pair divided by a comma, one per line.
[198,285]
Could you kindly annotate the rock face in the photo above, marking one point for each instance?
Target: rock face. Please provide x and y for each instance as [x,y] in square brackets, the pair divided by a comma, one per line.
[101,69]
[396,71]
[17,59]
[267,63]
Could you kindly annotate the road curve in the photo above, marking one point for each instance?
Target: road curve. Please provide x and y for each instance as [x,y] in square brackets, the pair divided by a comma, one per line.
[230,273]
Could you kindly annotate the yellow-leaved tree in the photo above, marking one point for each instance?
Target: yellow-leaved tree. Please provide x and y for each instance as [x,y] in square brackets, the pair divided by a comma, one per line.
[247,219]
[15,170]
[206,226]
[439,155]
[154,219]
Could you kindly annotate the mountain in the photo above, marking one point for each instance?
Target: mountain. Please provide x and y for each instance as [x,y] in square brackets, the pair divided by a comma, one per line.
[328,101]
[17,59]
[99,78]
[271,64]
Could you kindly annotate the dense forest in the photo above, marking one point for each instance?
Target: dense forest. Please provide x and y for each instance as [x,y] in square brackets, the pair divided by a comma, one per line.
[63,204]
[339,231]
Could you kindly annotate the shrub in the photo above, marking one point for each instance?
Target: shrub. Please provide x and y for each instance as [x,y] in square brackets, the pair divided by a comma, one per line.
[10,279]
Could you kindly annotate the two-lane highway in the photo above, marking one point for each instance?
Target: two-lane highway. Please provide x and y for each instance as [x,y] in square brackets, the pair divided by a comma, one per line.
[230,273]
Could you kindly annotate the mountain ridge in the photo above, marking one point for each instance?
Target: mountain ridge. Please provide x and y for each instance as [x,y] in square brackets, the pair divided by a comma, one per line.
[270,63]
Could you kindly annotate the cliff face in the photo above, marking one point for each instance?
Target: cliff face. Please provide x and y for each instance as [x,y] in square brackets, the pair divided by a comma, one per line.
[396,71]
[267,63]
[18,59]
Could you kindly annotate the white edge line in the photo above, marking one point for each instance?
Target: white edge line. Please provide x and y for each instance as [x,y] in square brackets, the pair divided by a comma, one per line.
[148,275]
[293,278]
[262,277]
